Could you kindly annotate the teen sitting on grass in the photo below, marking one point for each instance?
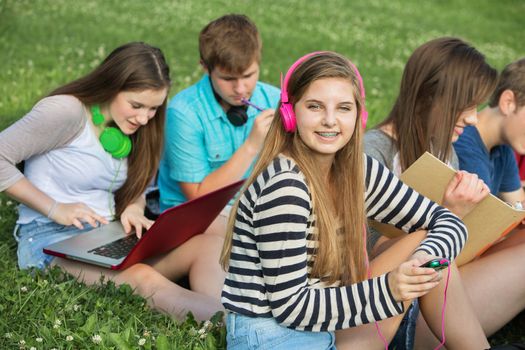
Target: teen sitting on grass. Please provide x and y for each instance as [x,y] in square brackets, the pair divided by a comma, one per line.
[73,181]
[212,138]
[443,82]
[295,253]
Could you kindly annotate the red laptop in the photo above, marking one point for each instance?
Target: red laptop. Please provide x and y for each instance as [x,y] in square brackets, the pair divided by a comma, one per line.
[109,246]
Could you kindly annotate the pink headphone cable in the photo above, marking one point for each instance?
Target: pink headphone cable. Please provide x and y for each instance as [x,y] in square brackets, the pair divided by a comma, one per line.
[379,333]
[443,311]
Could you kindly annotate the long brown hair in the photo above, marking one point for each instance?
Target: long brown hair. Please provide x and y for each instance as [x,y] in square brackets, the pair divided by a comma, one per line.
[339,218]
[134,66]
[442,78]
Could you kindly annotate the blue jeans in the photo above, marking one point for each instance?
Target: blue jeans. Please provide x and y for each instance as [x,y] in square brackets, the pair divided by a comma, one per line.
[245,332]
[404,337]
[34,236]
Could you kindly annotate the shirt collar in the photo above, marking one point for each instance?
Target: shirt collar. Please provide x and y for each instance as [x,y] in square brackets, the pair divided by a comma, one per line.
[207,91]
[216,109]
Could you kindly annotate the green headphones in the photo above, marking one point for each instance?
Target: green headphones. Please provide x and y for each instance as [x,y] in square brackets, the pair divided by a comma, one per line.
[113,140]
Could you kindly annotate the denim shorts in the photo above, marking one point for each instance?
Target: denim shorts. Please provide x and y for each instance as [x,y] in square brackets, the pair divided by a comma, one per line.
[245,332]
[405,335]
[34,236]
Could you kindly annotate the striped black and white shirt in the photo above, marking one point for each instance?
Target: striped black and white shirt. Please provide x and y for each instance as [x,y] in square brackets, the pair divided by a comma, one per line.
[274,237]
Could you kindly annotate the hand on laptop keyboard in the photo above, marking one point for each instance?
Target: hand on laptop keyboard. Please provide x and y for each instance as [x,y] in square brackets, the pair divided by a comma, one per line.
[133,218]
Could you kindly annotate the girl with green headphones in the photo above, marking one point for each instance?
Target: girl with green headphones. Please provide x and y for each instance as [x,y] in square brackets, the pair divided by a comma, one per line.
[91,148]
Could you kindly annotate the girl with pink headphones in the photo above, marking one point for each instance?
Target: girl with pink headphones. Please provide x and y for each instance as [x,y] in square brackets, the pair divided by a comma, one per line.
[295,254]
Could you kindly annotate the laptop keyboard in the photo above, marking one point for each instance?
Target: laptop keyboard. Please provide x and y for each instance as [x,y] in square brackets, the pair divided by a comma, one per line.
[116,249]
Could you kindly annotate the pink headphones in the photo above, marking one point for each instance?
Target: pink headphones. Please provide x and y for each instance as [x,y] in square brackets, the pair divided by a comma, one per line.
[286,109]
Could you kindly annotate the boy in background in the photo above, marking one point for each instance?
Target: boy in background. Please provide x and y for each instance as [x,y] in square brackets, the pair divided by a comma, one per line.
[212,137]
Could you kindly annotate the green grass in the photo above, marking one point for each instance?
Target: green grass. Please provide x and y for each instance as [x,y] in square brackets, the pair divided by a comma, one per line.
[46,43]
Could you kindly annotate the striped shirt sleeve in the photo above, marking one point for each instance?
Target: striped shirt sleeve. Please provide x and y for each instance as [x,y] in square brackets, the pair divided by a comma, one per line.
[280,220]
[389,200]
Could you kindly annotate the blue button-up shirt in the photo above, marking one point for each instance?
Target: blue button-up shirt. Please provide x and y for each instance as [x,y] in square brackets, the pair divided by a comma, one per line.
[199,138]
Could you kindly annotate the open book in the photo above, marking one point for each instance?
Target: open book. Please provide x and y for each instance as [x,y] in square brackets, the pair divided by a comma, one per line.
[490,220]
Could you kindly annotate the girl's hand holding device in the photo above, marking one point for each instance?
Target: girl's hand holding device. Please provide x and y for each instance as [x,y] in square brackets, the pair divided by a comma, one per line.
[412,280]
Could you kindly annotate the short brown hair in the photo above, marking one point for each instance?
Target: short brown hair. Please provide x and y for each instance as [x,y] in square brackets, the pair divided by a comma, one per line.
[231,42]
[512,78]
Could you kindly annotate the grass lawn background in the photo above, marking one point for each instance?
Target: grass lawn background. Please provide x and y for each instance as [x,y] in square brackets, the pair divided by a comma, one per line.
[46,43]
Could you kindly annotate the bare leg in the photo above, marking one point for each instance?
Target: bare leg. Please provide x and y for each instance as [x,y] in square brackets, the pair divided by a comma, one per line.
[199,259]
[463,330]
[495,286]
[366,336]
[161,293]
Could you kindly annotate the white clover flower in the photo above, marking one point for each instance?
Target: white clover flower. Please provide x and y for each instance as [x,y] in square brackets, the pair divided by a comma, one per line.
[55,326]
[22,342]
[202,336]
[39,340]
[32,348]
[23,289]
[8,335]
[8,202]
[207,324]
[69,338]
[76,307]
[202,331]
[142,341]
[97,339]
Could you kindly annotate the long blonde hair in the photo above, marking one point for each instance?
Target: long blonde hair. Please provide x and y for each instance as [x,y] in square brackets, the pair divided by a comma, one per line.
[339,218]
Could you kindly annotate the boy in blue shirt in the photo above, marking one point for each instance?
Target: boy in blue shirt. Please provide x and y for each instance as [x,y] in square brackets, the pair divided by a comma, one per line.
[212,137]
[487,149]
[211,140]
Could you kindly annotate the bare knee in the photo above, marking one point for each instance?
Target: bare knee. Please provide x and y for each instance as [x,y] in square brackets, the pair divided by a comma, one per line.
[141,277]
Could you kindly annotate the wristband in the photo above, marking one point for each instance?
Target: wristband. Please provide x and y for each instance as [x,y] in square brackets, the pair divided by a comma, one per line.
[52,209]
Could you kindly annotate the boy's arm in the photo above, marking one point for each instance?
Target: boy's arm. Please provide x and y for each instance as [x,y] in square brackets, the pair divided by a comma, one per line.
[514,196]
[237,165]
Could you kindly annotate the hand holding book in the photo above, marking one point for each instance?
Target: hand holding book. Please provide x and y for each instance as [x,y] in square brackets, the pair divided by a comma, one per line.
[488,221]
[464,192]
